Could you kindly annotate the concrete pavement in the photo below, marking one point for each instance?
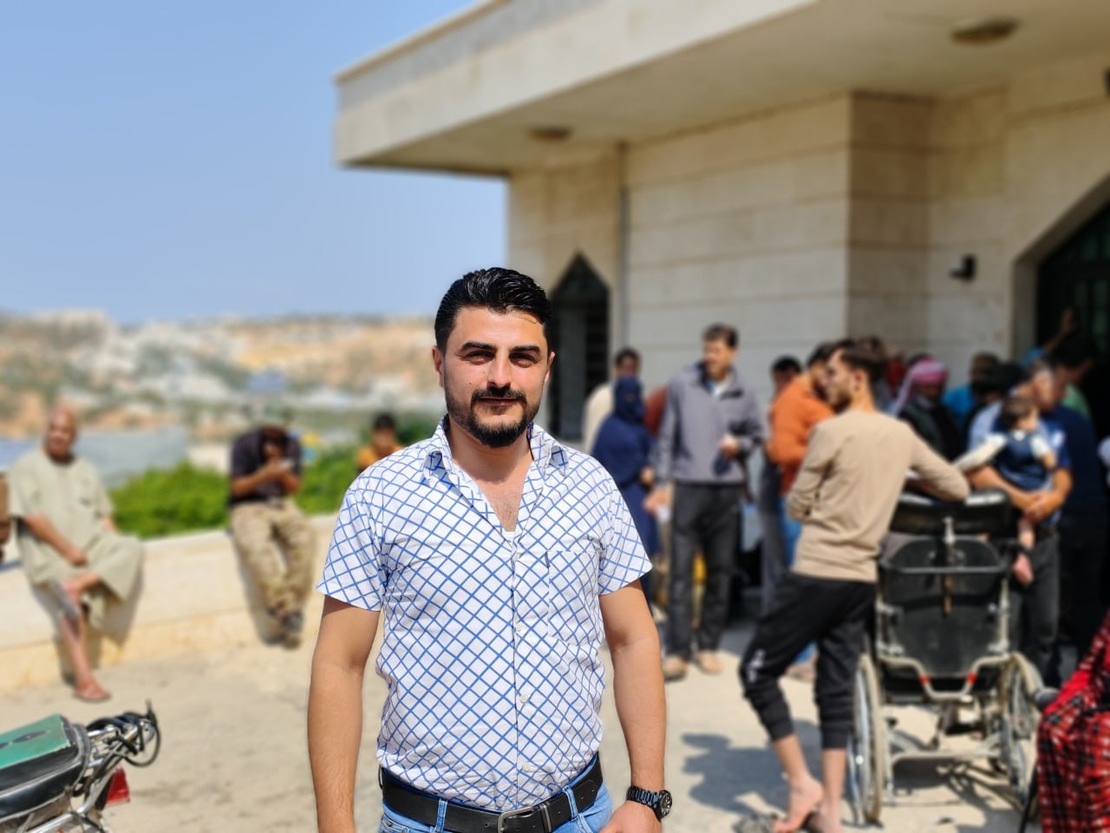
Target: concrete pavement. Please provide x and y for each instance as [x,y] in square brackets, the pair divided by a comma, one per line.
[234,752]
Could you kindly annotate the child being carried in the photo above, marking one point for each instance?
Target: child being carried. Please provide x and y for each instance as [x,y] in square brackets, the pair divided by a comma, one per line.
[1021,455]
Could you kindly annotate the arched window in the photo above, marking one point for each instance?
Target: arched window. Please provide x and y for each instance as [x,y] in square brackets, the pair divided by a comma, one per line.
[580,339]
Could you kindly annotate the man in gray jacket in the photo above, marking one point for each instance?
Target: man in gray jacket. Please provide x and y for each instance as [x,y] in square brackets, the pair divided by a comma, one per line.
[711,423]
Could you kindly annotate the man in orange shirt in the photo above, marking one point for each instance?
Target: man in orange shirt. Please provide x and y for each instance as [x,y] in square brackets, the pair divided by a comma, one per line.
[794,412]
[792,415]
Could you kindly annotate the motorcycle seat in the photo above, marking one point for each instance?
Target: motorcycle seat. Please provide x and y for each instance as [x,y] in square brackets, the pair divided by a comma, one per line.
[39,762]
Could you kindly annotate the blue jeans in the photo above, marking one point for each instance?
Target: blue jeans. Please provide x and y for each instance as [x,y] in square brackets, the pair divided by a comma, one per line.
[591,821]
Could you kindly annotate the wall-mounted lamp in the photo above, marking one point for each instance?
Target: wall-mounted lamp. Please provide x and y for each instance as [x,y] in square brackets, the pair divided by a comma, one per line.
[984,31]
[550,133]
[963,268]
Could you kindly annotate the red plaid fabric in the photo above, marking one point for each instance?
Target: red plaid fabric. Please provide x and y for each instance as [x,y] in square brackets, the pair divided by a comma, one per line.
[1073,747]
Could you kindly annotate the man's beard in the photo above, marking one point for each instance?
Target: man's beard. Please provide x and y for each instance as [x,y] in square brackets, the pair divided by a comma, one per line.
[838,400]
[499,436]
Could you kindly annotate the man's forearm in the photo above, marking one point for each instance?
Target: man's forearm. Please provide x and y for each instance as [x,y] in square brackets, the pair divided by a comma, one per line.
[638,694]
[290,482]
[334,736]
[988,478]
[247,483]
[46,532]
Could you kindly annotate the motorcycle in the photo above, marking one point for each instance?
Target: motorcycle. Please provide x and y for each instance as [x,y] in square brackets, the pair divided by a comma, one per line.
[57,776]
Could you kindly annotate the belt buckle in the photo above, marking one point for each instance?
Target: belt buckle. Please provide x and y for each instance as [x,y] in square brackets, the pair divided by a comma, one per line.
[523,813]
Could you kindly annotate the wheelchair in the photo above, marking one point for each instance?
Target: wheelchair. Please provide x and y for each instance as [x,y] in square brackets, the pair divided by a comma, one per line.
[940,640]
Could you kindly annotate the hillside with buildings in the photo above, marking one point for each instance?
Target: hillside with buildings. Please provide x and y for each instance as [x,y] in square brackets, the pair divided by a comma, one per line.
[206,376]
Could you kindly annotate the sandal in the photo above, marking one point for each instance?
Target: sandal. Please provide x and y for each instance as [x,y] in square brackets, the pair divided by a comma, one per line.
[99,697]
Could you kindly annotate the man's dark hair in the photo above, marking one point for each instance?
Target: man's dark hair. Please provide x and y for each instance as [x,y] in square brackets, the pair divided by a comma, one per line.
[867,354]
[626,353]
[722,332]
[497,289]
[1014,410]
[384,422]
[1006,377]
[821,353]
[275,435]
[786,364]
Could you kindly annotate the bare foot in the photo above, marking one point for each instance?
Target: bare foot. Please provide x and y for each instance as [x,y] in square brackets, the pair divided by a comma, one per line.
[91,692]
[824,820]
[73,590]
[803,799]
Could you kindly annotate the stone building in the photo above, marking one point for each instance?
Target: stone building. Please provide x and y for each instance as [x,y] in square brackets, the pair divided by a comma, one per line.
[803,169]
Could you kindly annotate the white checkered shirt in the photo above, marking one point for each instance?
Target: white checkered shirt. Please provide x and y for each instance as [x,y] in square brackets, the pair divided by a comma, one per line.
[491,638]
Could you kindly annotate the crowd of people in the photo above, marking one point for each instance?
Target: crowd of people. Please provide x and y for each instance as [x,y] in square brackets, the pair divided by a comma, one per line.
[472,549]
[833,459]
[1024,428]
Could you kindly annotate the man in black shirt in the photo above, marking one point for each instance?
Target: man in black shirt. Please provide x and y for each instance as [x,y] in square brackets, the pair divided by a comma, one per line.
[271,533]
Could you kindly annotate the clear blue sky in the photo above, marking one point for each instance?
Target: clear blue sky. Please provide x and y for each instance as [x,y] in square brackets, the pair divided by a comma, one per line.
[173,160]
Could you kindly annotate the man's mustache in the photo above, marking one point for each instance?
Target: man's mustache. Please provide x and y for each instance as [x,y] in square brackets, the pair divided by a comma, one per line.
[496,393]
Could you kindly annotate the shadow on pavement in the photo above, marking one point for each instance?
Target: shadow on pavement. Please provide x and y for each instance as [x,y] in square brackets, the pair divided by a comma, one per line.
[727,773]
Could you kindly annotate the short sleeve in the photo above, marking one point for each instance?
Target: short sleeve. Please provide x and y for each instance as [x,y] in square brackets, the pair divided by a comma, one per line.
[243,461]
[25,493]
[353,572]
[623,559]
[1053,433]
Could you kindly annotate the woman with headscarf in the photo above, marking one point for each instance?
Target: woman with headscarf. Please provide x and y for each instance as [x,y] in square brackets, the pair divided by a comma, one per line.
[920,403]
[623,446]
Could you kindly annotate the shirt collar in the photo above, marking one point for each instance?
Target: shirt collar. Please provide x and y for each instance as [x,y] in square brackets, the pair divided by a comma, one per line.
[730,382]
[547,452]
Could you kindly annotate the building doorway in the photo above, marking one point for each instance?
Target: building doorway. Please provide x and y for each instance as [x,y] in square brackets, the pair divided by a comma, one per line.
[580,339]
[1077,275]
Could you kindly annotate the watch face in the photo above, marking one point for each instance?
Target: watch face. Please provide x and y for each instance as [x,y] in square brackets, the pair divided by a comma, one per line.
[664,803]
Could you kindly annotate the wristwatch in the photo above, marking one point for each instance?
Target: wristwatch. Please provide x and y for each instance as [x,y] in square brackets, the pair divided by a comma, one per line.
[660,801]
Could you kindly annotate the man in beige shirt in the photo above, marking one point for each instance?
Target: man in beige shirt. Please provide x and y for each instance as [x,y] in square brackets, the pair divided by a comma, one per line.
[69,545]
[853,471]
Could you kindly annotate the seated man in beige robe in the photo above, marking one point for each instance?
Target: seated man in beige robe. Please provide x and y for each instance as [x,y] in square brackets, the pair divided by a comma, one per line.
[68,543]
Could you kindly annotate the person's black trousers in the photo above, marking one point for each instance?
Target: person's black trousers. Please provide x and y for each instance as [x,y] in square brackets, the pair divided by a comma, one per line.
[704,518]
[834,614]
[1082,554]
[1035,609]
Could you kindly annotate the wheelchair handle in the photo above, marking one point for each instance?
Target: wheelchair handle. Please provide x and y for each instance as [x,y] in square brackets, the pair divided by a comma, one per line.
[945,571]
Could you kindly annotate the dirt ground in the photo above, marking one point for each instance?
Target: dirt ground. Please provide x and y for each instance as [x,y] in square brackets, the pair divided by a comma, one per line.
[234,754]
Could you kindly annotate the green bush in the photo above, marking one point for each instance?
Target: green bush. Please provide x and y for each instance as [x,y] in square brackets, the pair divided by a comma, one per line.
[333,469]
[188,499]
[412,428]
[326,479]
[171,501]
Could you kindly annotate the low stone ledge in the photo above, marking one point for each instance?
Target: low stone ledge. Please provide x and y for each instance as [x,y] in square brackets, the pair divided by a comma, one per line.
[195,596]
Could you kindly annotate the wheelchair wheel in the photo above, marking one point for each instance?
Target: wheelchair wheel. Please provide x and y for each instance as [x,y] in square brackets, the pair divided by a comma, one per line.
[867,747]
[1018,725]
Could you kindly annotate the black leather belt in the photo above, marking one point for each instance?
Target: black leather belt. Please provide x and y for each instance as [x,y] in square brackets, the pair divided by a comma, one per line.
[541,818]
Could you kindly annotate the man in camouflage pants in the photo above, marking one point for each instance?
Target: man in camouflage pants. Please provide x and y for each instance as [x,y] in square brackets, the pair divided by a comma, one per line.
[271,533]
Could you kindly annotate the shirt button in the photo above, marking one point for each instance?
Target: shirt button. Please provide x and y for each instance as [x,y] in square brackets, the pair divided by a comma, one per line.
[528,768]
[520,630]
[523,698]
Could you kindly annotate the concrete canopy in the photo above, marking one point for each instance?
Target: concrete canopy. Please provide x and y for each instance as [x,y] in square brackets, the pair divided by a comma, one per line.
[507,83]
